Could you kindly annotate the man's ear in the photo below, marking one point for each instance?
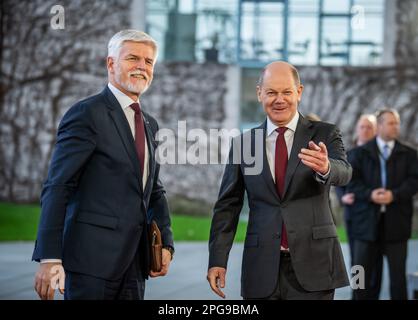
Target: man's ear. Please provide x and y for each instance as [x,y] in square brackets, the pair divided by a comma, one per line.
[110,64]
[300,90]
[258,90]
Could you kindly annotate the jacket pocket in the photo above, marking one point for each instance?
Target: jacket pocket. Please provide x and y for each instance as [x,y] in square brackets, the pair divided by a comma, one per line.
[96,219]
[251,240]
[326,231]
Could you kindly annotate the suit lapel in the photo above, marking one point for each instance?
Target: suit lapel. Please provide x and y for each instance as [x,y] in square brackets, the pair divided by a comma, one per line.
[151,162]
[122,126]
[301,139]
[397,149]
[373,150]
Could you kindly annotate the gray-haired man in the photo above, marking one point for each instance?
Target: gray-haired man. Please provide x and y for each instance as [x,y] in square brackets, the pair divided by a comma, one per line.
[103,187]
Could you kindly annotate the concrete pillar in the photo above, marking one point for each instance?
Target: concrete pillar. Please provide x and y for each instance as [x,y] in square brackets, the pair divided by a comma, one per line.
[389,33]
[232,97]
[138,14]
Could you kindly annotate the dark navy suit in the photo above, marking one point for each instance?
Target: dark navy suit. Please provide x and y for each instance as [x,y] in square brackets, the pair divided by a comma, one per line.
[95,210]
[377,232]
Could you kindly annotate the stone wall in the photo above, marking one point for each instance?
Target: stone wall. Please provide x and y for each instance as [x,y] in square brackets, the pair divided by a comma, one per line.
[341,94]
[406,17]
[43,72]
[48,70]
[205,96]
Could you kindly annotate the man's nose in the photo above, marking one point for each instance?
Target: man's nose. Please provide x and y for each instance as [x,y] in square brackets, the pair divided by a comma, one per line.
[279,98]
[140,64]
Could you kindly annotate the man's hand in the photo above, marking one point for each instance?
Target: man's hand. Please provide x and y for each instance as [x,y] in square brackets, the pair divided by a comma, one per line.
[165,265]
[387,197]
[348,199]
[216,278]
[382,196]
[49,277]
[316,157]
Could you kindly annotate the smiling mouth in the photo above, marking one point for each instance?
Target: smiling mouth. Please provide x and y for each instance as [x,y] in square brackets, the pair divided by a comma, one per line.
[280,109]
[138,76]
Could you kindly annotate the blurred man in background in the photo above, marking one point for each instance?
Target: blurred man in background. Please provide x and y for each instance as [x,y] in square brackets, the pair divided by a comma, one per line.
[365,131]
[385,179]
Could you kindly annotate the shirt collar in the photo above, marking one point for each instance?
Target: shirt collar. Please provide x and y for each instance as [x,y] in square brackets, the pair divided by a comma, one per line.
[381,143]
[122,98]
[271,127]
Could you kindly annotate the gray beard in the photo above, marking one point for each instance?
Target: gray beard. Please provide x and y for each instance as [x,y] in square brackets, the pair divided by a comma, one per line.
[129,86]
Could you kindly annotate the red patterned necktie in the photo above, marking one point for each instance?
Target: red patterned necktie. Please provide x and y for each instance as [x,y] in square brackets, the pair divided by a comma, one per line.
[280,165]
[139,135]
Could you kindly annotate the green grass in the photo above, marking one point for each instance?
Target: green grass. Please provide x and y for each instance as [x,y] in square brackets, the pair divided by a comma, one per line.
[186,228]
[19,223]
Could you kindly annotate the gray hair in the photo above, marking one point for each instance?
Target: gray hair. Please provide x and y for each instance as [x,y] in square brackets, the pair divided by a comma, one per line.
[369,117]
[116,42]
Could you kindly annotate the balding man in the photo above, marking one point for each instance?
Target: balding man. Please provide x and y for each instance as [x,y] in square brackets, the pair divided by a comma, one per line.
[365,131]
[291,249]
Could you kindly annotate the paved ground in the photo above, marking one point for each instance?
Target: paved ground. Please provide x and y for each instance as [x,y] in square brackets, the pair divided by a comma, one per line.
[186,279]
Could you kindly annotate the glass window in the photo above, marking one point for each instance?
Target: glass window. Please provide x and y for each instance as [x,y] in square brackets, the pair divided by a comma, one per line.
[339,6]
[367,33]
[216,31]
[252,33]
[334,49]
[303,32]
[262,36]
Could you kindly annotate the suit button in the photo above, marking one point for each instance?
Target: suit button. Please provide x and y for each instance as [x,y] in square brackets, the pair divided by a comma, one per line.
[276,235]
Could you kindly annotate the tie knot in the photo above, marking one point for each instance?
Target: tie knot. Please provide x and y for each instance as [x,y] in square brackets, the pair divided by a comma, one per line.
[135,107]
[281,130]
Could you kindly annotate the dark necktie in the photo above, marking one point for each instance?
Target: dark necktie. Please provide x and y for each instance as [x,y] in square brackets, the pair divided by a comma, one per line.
[139,135]
[280,165]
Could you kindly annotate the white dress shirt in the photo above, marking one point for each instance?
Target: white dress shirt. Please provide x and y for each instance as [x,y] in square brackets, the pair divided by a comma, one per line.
[381,145]
[271,137]
[124,102]
[289,136]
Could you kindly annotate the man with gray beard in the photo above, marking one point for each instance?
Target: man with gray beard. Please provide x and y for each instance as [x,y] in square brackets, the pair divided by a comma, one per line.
[103,187]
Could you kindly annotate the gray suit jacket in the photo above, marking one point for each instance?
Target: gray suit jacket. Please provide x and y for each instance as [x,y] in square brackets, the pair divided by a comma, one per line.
[315,250]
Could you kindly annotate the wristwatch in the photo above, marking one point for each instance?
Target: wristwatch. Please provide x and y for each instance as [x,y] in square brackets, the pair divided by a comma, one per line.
[171,250]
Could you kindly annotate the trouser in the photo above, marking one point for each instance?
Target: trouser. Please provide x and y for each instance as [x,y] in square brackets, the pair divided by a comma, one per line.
[131,286]
[367,254]
[288,287]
